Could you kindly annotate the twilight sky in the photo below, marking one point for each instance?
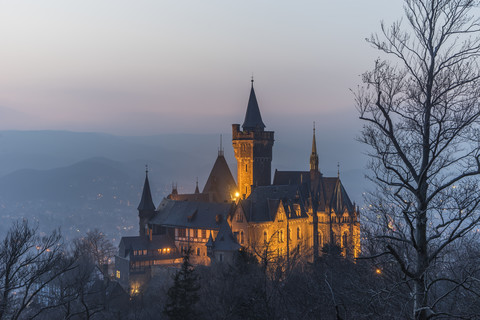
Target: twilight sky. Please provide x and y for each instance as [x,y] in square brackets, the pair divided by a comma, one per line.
[158,66]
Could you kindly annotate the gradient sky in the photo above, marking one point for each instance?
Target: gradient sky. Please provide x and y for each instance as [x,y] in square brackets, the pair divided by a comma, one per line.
[147,67]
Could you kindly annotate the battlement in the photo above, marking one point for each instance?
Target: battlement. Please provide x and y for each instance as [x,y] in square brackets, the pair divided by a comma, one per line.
[237,134]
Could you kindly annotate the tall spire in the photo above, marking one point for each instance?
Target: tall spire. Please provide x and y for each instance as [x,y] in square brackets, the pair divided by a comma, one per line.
[314,155]
[253,119]
[146,202]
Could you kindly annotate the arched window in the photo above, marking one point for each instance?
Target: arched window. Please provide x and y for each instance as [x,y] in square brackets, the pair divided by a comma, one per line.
[320,240]
[289,234]
[280,236]
[265,238]
[344,239]
[299,233]
[241,237]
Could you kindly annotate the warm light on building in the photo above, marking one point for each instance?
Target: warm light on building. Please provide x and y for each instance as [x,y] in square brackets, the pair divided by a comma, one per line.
[135,289]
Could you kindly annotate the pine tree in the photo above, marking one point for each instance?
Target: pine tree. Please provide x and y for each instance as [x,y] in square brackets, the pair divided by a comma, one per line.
[183,295]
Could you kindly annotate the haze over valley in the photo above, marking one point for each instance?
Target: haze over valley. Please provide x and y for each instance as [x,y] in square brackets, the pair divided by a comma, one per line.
[81,181]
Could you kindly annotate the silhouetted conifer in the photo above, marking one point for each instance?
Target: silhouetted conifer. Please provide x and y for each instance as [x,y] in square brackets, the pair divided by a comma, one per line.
[183,295]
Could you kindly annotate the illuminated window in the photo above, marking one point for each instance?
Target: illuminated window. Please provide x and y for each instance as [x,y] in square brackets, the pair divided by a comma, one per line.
[118,274]
[144,252]
[204,234]
[195,233]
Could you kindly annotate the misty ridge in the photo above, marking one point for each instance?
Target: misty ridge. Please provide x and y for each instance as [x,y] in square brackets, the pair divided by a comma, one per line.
[79,181]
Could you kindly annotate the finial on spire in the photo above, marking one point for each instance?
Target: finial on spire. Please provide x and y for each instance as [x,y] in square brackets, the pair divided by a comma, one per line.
[338,169]
[314,155]
[220,150]
[146,169]
[252,79]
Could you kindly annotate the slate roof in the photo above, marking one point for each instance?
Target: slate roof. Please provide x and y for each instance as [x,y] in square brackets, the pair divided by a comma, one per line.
[253,119]
[191,214]
[128,244]
[146,202]
[220,183]
[263,202]
[330,190]
[340,200]
[190,197]
[225,240]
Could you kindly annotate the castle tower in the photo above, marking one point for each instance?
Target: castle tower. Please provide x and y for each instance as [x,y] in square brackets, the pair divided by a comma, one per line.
[146,208]
[253,149]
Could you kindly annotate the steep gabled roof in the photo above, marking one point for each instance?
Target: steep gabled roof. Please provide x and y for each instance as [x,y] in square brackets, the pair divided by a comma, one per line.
[340,200]
[146,202]
[220,183]
[253,119]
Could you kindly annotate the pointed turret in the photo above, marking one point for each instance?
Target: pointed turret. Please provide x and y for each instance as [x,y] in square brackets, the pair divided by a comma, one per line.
[146,207]
[253,119]
[314,155]
[197,191]
[146,202]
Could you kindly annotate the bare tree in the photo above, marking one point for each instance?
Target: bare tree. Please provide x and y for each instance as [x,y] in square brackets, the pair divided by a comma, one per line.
[29,264]
[422,123]
[84,289]
[97,248]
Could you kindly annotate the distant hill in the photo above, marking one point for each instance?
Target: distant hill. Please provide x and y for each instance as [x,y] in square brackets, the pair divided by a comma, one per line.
[93,178]
[85,180]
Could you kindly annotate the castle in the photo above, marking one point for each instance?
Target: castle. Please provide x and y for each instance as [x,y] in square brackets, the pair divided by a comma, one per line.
[293,216]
